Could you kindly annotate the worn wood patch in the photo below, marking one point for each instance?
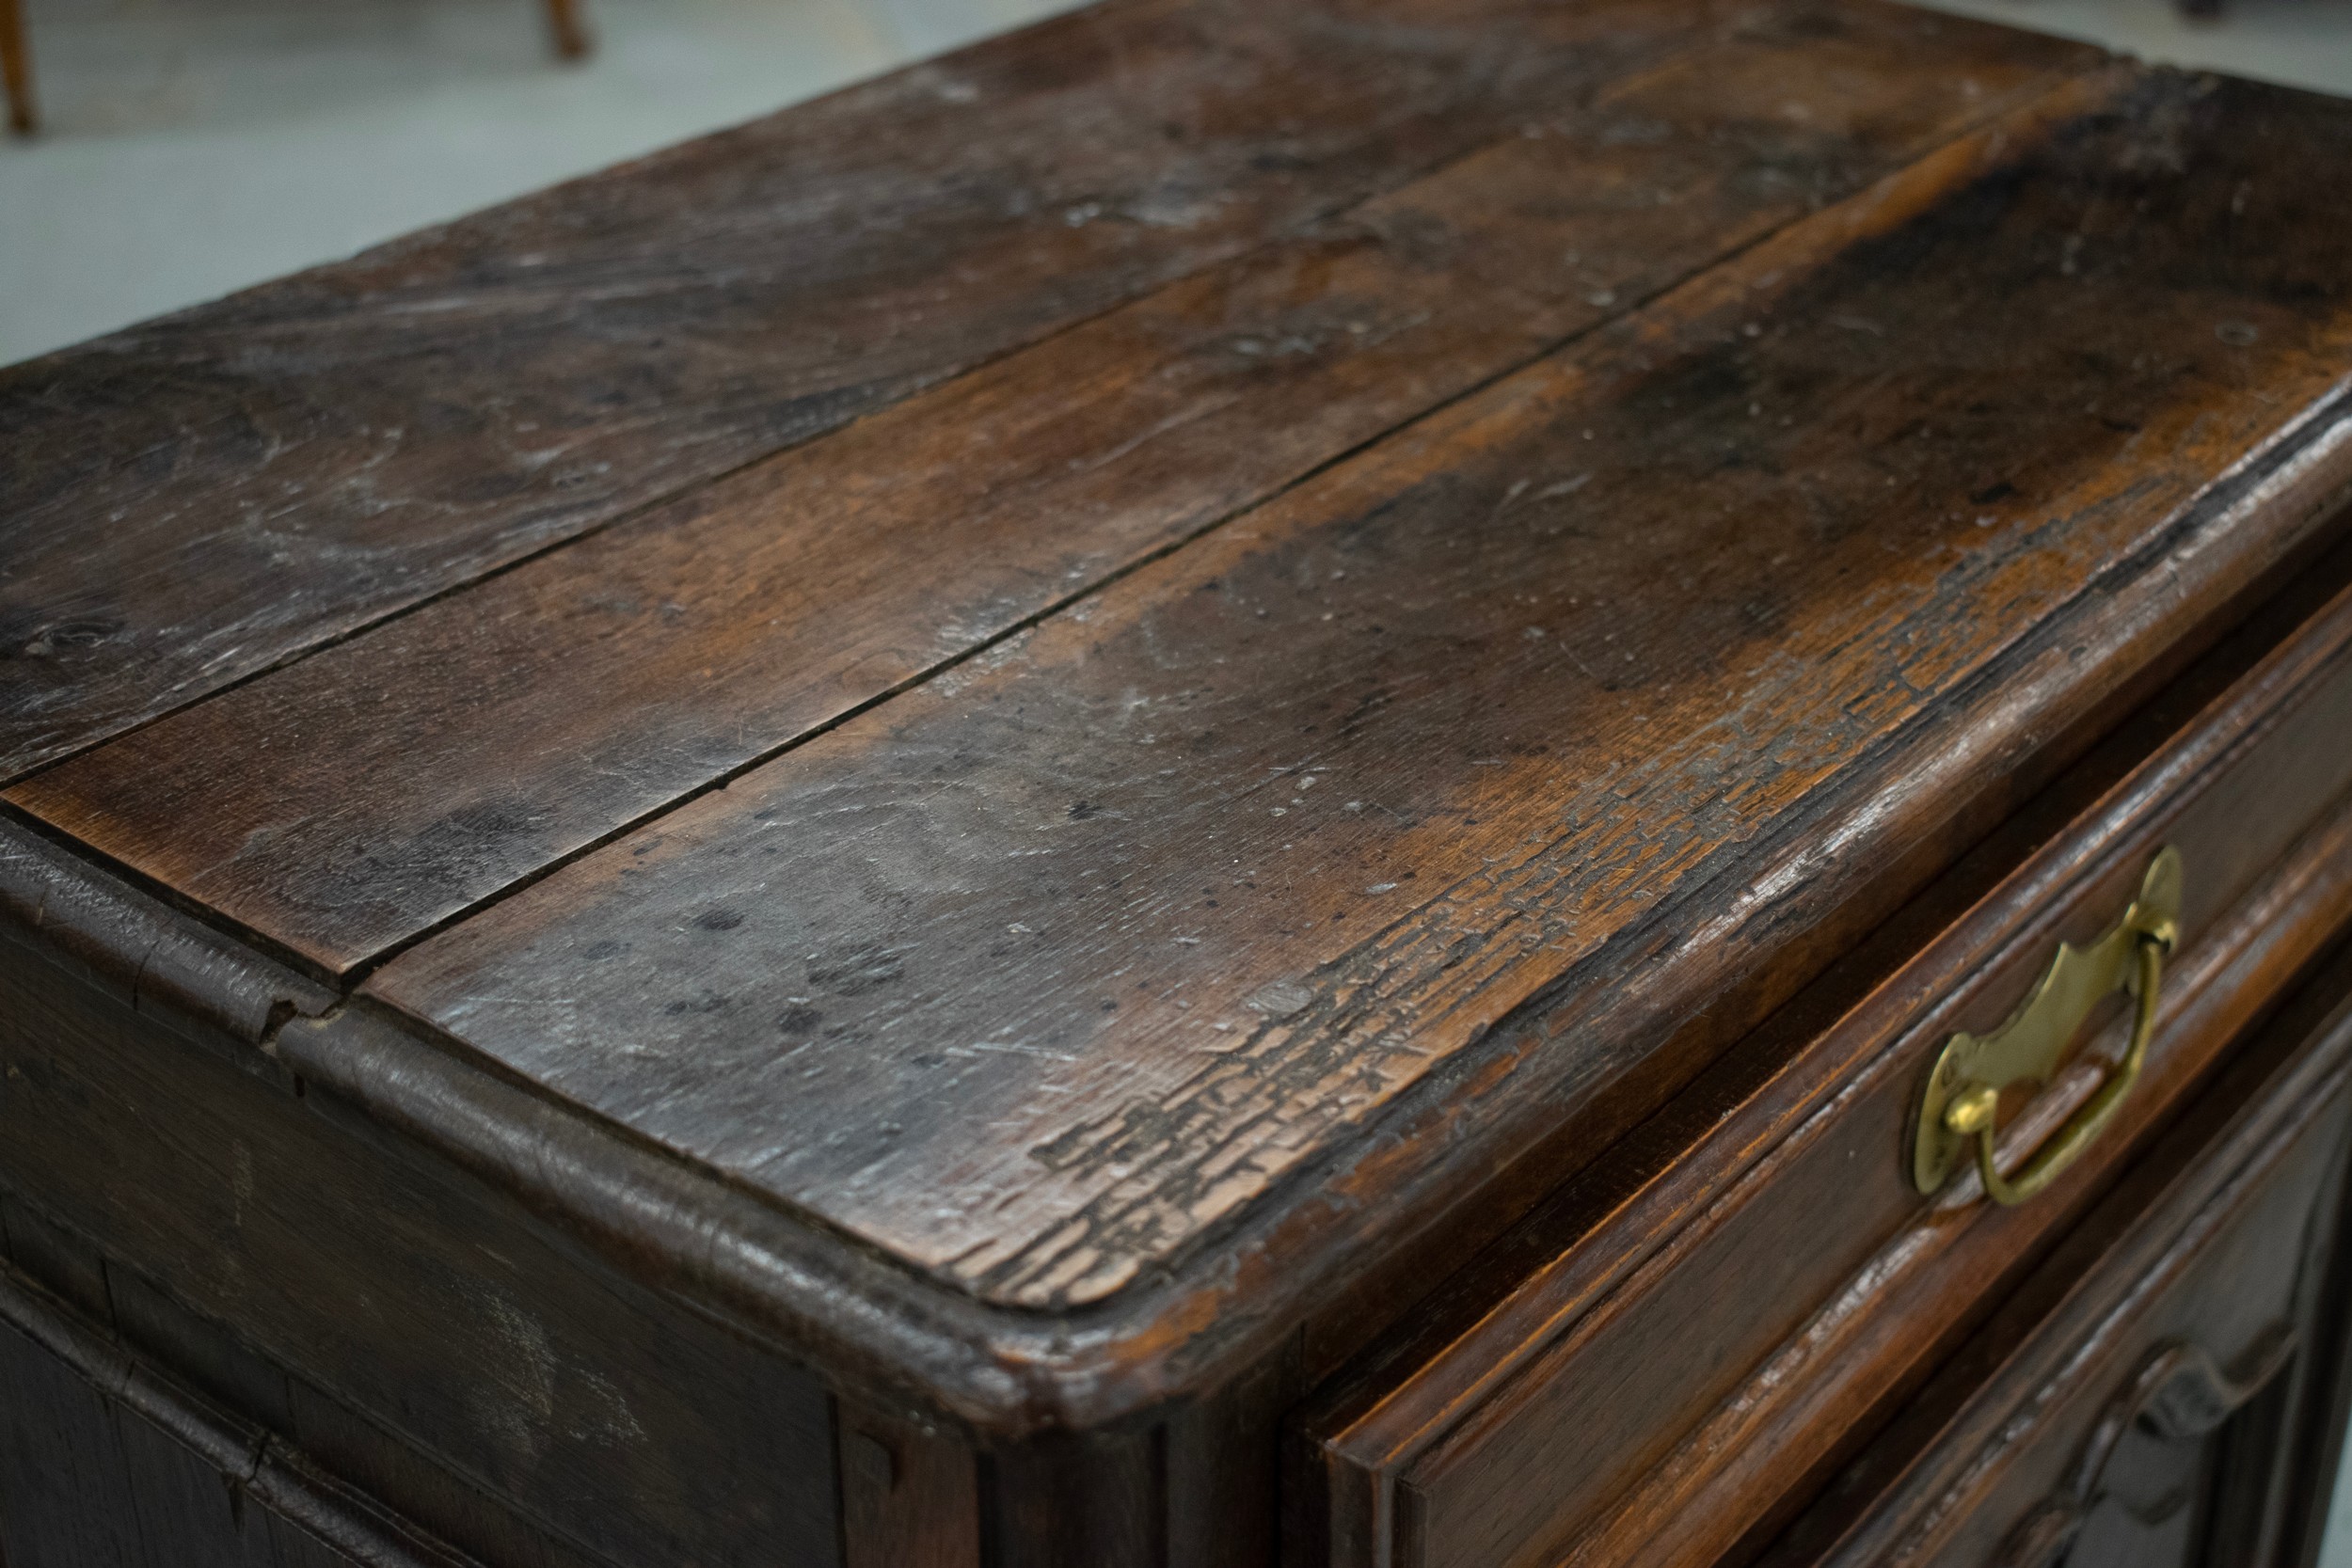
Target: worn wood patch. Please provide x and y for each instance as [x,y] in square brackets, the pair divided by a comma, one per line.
[1036,974]
[385,785]
[202,497]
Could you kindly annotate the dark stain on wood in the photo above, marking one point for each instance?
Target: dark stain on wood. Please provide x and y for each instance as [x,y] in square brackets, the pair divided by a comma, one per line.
[1107,931]
[384,787]
[202,497]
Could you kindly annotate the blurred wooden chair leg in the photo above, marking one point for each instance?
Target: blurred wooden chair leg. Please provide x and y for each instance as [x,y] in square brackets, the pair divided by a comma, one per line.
[571,39]
[16,68]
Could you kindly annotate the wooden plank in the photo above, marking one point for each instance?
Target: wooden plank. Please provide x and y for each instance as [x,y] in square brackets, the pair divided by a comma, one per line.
[314,1520]
[344,805]
[192,1514]
[215,1367]
[1223,1457]
[198,498]
[92,1478]
[1616,686]
[181,976]
[293,1546]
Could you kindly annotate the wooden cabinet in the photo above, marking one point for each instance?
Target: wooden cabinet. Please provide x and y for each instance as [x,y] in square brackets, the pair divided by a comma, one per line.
[1276,784]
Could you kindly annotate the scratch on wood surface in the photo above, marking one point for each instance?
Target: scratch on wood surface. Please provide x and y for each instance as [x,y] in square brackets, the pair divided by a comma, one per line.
[1746,619]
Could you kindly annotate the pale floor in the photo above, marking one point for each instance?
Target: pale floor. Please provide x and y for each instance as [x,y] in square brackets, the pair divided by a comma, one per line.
[196,145]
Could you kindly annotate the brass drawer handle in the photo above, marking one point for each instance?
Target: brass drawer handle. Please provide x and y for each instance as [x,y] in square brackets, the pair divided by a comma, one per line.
[1964,1093]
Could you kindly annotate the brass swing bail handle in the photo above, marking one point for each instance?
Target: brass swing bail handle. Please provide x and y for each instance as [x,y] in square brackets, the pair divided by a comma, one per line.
[1962,1097]
[1971,1112]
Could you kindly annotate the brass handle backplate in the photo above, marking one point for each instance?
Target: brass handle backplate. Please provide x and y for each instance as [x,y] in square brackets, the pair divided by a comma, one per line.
[1961,1104]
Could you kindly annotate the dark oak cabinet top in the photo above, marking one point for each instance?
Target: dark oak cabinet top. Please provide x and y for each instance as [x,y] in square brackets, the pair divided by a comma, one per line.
[1017,722]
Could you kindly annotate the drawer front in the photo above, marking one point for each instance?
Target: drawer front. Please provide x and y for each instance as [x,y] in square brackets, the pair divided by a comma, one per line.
[2140,1400]
[1650,1367]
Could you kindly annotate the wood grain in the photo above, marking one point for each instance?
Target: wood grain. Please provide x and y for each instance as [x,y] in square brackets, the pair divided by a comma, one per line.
[342,806]
[196,499]
[1108,932]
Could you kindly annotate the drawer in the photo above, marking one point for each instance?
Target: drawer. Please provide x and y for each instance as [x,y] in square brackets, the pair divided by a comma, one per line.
[2154,1392]
[1669,1350]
